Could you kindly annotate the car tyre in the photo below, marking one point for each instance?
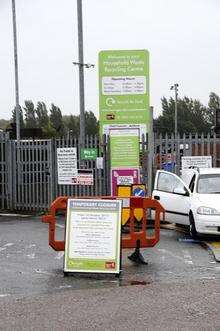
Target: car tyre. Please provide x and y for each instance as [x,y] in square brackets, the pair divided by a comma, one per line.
[192,227]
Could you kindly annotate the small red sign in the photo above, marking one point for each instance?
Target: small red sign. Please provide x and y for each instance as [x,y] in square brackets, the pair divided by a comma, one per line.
[110,265]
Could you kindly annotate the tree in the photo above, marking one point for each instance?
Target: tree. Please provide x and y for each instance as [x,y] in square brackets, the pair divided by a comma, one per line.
[214,103]
[29,113]
[56,120]
[49,131]
[54,124]
[42,118]
[71,123]
[4,124]
[13,118]
[91,123]
[192,116]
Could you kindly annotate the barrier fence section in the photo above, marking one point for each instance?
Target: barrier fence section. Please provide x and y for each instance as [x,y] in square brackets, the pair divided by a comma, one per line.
[188,145]
[131,240]
[4,171]
[28,172]
[28,169]
[32,164]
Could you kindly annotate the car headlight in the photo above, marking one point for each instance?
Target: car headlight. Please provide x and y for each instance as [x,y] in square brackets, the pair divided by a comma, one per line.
[207,211]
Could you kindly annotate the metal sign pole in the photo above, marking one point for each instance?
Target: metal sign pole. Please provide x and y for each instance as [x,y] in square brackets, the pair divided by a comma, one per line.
[150,154]
[81,73]
[175,88]
[17,106]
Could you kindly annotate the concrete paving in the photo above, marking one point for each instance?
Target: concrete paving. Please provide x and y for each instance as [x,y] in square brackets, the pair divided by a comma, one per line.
[179,288]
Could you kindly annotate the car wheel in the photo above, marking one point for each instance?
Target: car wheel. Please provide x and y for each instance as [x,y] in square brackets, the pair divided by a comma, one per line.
[192,228]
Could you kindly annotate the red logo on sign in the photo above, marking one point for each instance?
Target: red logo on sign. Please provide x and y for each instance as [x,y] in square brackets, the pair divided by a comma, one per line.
[110,265]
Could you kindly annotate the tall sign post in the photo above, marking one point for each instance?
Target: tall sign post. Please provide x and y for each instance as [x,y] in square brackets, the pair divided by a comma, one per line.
[175,88]
[17,106]
[150,155]
[124,109]
[81,66]
[81,73]
[124,89]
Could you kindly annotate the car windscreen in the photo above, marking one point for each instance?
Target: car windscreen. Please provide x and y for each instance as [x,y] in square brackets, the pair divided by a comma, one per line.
[208,184]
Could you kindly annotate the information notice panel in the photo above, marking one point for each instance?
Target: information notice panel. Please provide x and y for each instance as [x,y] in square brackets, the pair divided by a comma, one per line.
[66,165]
[124,148]
[123,88]
[196,161]
[93,236]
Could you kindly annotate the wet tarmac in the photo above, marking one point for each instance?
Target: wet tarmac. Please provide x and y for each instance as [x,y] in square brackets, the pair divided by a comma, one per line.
[29,267]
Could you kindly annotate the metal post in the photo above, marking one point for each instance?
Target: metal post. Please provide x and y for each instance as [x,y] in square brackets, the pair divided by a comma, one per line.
[176,96]
[17,106]
[175,88]
[81,73]
[150,154]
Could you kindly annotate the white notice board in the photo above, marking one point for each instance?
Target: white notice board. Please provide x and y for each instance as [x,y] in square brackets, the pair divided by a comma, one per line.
[66,165]
[196,162]
[93,236]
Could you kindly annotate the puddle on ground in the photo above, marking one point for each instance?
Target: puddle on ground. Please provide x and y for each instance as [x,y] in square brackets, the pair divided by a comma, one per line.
[134,282]
[80,282]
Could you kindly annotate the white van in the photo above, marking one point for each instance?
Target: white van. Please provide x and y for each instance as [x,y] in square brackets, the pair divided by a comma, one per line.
[193,200]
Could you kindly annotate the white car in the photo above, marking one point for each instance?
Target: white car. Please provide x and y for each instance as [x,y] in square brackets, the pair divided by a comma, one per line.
[194,201]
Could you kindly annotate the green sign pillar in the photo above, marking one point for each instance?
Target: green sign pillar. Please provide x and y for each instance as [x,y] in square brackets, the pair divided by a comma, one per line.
[124,88]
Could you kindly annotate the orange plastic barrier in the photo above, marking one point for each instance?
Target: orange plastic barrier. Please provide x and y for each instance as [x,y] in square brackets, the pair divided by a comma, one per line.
[146,240]
[129,240]
[124,191]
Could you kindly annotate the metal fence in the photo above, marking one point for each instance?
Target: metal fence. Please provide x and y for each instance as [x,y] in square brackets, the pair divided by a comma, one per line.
[4,175]
[28,170]
[187,145]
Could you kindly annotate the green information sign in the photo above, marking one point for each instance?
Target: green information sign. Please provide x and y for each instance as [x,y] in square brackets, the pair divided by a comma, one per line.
[124,147]
[93,236]
[123,87]
[88,154]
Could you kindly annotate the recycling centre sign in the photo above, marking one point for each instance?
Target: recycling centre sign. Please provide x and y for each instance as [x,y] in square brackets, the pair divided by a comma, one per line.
[123,88]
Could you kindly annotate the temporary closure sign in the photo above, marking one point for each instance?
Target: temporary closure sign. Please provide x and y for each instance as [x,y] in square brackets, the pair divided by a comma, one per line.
[124,87]
[93,236]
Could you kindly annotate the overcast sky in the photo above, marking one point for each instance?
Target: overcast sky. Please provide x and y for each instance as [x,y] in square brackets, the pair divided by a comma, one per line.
[182,36]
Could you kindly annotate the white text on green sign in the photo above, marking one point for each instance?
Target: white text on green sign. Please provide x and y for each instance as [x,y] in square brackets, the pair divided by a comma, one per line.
[124,87]
[88,154]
